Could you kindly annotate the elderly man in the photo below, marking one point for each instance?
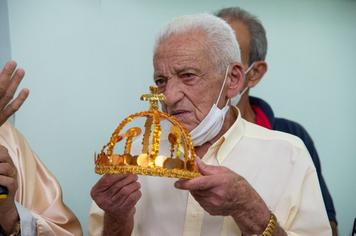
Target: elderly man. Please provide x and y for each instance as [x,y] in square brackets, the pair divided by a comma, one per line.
[33,202]
[251,37]
[253,180]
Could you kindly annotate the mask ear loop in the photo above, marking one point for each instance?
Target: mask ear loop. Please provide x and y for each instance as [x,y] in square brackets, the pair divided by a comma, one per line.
[247,71]
[249,68]
[222,87]
[243,91]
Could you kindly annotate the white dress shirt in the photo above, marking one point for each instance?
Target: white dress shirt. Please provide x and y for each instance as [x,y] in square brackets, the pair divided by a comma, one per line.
[276,164]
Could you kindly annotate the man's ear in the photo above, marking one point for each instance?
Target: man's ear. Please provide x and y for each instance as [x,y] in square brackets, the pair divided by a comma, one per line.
[236,81]
[256,73]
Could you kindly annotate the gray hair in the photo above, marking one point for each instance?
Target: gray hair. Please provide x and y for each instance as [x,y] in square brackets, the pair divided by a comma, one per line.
[258,41]
[221,39]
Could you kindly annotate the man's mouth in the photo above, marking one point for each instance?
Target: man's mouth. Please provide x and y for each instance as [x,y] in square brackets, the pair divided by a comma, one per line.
[178,112]
[184,116]
[181,115]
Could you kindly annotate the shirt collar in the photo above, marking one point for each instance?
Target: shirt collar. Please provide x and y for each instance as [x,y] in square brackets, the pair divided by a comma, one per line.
[223,146]
[261,118]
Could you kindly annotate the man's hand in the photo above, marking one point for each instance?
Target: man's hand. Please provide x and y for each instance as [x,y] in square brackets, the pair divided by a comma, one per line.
[221,191]
[117,195]
[8,179]
[10,78]
[333,225]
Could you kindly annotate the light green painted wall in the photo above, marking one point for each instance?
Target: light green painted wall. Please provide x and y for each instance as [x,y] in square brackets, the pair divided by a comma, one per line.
[88,61]
[4,32]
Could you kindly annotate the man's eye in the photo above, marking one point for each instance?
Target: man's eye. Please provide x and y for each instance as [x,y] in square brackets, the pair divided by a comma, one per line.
[160,82]
[187,76]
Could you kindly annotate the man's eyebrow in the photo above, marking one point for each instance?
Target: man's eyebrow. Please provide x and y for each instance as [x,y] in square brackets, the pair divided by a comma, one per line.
[177,71]
[188,69]
[156,75]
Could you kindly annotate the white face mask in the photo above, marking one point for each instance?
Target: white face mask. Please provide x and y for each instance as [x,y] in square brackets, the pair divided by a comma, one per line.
[210,126]
[235,100]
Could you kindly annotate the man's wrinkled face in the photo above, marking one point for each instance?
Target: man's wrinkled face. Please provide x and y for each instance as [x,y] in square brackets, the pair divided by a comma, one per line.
[185,74]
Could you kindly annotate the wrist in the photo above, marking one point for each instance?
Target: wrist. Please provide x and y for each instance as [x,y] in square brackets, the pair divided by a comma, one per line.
[252,223]
[271,226]
[114,225]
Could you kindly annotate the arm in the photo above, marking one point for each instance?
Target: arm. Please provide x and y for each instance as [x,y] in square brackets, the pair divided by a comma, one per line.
[39,192]
[10,78]
[328,201]
[115,226]
[308,215]
[26,202]
[117,196]
[8,179]
[220,191]
[298,130]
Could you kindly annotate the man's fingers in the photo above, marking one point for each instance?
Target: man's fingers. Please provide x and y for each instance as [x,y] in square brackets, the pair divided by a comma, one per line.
[15,80]
[4,156]
[206,169]
[125,192]
[9,182]
[115,188]
[122,202]
[6,169]
[106,182]
[131,200]
[198,183]
[5,76]
[9,89]
[13,106]
[7,71]
[20,99]
[200,193]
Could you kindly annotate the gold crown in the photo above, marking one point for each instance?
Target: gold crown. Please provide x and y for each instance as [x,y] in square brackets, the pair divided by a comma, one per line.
[180,163]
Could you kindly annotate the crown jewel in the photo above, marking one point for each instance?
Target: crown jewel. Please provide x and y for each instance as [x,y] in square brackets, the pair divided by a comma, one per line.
[177,162]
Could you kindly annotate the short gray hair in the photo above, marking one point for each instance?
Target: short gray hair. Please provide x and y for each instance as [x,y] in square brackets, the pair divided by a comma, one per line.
[258,41]
[221,39]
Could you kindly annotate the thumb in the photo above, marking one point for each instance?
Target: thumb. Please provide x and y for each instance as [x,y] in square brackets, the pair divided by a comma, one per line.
[206,169]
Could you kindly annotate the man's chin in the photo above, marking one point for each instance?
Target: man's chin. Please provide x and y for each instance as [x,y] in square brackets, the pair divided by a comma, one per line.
[185,120]
[186,125]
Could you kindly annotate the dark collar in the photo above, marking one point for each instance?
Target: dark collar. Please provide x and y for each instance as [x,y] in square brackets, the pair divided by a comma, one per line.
[267,110]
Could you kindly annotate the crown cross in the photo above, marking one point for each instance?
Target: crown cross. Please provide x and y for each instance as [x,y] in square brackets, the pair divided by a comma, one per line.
[153,97]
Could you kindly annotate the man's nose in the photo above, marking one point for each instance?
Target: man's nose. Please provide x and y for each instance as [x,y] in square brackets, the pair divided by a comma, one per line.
[173,92]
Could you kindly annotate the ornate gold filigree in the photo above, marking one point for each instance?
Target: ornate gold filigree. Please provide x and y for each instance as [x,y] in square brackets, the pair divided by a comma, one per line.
[180,164]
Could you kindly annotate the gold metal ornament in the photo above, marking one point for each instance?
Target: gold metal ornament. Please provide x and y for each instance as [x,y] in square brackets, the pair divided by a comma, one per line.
[179,164]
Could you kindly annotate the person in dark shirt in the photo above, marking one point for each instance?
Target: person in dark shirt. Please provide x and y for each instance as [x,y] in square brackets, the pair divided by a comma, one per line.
[251,36]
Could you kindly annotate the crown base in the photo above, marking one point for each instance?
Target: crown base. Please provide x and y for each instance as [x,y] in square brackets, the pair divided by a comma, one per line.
[156,171]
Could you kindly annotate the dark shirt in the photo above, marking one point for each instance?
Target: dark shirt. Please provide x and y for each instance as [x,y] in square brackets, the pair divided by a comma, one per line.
[296,129]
